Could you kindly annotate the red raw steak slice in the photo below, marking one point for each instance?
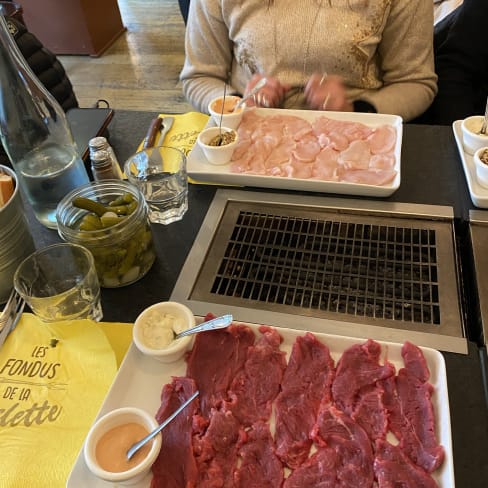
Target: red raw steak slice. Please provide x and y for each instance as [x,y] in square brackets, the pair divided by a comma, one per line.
[216,451]
[354,456]
[254,389]
[411,413]
[306,383]
[358,368]
[371,414]
[175,466]
[393,468]
[318,471]
[260,467]
[216,358]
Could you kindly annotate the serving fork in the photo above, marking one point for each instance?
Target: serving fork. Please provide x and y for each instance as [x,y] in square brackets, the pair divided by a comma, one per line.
[11,315]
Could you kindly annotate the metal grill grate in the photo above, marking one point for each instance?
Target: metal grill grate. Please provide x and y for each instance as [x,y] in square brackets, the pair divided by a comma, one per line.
[385,270]
[359,269]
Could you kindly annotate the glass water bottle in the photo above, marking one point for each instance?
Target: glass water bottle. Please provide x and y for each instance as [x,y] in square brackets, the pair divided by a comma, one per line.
[35,134]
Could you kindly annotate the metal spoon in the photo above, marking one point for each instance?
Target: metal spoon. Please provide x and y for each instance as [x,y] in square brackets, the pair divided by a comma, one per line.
[132,450]
[255,89]
[217,323]
[485,120]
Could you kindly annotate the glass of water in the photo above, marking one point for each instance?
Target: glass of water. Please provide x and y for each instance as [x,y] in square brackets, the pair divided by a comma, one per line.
[60,282]
[160,174]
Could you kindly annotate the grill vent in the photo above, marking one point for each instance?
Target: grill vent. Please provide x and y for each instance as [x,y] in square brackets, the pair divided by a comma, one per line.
[360,269]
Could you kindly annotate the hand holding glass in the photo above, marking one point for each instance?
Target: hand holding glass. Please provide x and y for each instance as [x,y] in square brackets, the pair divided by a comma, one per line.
[60,282]
[160,174]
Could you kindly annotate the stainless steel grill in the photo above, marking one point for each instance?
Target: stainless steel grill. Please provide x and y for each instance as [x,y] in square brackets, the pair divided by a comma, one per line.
[334,262]
[352,268]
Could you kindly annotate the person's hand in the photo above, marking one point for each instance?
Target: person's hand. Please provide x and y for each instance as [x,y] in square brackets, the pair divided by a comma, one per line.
[270,96]
[323,92]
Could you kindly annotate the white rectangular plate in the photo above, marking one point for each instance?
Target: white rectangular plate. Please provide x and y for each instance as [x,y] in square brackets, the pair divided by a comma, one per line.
[202,171]
[140,380]
[479,194]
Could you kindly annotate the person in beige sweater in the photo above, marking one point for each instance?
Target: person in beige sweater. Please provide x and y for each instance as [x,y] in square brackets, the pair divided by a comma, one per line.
[362,55]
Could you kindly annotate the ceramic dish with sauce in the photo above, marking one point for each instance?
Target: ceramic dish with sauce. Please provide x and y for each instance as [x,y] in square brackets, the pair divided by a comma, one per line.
[109,439]
[156,326]
[226,109]
[218,154]
[480,159]
[472,139]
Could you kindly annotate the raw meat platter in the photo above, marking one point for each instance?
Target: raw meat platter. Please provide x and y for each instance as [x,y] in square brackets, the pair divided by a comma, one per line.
[140,380]
[479,195]
[201,170]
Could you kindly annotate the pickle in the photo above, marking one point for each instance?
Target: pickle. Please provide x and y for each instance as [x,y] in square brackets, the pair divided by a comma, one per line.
[126,198]
[90,205]
[90,222]
[118,209]
[108,219]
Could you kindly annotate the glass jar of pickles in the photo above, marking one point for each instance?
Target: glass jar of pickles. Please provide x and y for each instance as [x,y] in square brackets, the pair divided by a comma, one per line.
[110,218]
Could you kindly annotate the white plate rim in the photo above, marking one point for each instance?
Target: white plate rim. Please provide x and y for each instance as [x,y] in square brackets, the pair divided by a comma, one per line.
[202,171]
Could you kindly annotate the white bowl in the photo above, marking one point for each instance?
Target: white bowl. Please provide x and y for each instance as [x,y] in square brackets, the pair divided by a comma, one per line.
[216,154]
[229,119]
[154,329]
[481,167]
[117,418]
[472,140]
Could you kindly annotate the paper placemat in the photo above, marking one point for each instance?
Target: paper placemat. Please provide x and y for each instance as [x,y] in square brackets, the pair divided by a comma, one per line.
[53,379]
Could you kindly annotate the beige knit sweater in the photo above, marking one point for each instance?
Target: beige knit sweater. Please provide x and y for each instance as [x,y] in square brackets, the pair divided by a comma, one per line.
[382,48]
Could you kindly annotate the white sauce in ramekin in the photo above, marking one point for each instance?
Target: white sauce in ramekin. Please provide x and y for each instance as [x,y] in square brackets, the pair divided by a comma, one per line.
[158,330]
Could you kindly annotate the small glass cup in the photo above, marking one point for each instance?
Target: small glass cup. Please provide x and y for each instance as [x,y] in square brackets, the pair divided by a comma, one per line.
[160,174]
[59,282]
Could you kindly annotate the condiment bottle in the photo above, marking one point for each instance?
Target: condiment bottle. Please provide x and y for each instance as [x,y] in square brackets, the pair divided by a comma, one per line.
[101,166]
[35,134]
[100,143]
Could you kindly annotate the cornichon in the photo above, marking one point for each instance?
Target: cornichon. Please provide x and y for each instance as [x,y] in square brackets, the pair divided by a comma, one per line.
[122,205]
[90,205]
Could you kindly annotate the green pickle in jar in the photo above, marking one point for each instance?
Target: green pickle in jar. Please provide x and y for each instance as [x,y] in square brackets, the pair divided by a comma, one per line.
[116,230]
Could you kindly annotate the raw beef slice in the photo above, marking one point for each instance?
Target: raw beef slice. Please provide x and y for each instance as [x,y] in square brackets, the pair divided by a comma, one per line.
[411,413]
[306,383]
[354,456]
[260,467]
[216,451]
[216,358]
[358,368]
[175,466]
[255,387]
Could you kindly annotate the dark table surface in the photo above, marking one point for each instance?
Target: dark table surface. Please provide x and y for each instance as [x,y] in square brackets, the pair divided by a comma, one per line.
[431,173]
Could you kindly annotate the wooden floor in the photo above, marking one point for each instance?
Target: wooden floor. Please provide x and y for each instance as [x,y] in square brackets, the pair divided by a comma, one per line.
[140,70]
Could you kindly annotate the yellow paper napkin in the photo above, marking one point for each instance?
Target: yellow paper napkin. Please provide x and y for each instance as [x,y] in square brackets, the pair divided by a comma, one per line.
[184,132]
[53,379]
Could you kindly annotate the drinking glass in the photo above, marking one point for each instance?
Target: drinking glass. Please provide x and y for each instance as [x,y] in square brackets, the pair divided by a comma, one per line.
[59,282]
[160,174]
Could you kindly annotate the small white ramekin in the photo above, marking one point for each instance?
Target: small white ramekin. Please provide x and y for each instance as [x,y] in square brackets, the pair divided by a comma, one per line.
[230,120]
[109,421]
[184,319]
[481,167]
[216,154]
[472,140]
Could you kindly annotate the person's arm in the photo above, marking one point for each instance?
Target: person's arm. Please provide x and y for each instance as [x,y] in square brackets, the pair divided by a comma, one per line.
[407,62]
[208,54]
